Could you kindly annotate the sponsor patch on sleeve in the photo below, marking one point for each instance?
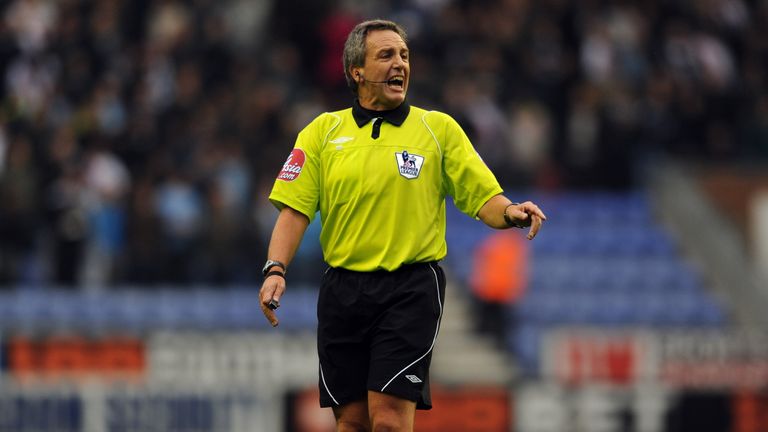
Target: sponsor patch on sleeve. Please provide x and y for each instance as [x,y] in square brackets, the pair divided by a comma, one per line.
[292,166]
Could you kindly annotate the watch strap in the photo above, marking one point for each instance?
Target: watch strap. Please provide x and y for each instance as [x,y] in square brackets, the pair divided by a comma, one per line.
[511,222]
[274,273]
[273,263]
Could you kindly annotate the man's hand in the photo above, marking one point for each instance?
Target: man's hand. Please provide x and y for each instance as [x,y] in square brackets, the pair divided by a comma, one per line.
[527,214]
[269,297]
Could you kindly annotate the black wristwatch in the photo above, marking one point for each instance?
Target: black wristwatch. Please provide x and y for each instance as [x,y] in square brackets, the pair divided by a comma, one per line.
[272,263]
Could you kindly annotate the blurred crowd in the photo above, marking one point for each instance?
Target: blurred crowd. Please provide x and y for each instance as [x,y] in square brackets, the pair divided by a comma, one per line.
[139,138]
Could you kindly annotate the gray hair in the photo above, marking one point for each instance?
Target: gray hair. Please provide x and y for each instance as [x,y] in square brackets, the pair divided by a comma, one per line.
[354,47]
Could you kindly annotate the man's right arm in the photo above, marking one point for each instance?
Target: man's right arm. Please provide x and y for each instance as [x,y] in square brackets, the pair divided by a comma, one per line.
[286,237]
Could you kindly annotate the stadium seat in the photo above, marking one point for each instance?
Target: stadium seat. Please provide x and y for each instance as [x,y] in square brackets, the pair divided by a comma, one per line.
[601,260]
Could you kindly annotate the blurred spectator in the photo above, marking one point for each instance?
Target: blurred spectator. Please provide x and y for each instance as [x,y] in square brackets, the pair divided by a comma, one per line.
[19,209]
[498,281]
[107,181]
[30,82]
[179,207]
[529,136]
[226,234]
[190,106]
[68,215]
[143,258]
[32,23]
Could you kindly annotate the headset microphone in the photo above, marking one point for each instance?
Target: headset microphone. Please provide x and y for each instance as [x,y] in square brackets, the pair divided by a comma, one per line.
[362,78]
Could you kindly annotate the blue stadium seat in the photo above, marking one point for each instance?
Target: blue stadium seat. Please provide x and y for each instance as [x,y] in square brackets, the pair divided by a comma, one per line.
[600,260]
[243,310]
[525,342]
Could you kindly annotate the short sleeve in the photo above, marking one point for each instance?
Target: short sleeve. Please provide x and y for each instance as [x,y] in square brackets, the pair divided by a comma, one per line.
[298,183]
[468,179]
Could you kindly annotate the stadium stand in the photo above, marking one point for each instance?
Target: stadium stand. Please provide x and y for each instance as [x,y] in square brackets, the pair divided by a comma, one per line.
[602,260]
[139,310]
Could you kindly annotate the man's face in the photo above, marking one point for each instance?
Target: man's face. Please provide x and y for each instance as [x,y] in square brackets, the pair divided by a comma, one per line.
[386,59]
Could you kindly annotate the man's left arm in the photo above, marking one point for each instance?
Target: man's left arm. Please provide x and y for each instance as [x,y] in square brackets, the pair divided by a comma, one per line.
[501,213]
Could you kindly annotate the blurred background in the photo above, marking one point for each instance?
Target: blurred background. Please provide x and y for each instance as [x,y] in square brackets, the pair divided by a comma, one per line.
[139,140]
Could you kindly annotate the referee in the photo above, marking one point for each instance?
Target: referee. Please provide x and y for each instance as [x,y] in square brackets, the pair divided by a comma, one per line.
[378,173]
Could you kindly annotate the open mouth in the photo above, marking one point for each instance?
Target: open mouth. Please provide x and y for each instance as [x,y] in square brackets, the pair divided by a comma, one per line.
[397,82]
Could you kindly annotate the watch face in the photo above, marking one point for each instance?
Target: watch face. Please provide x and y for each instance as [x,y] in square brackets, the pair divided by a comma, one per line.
[271,263]
[267,265]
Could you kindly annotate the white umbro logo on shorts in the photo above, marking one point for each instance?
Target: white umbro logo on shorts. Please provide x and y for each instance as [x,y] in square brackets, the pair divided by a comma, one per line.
[413,378]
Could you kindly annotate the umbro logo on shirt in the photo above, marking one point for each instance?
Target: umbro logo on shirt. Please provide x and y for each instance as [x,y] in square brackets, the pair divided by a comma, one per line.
[413,378]
[341,140]
[409,164]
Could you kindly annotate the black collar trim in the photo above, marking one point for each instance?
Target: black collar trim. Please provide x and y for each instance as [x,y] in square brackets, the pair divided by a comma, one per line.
[395,116]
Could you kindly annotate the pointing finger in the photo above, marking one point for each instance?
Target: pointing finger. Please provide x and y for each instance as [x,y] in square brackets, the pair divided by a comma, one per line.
[270,314]
[535,226]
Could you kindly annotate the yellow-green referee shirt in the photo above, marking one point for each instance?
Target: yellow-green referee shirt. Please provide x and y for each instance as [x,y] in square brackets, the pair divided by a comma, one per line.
[380,184]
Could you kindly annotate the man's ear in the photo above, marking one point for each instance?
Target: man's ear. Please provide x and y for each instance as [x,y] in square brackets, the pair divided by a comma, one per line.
[357,74]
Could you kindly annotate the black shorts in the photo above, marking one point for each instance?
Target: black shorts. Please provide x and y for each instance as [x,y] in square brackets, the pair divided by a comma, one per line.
[376,331]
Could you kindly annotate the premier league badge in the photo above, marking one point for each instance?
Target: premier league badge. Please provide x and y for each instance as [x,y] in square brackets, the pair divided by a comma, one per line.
[409,164]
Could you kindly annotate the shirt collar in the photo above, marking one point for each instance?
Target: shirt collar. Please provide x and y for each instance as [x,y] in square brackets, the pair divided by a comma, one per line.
[395,116]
